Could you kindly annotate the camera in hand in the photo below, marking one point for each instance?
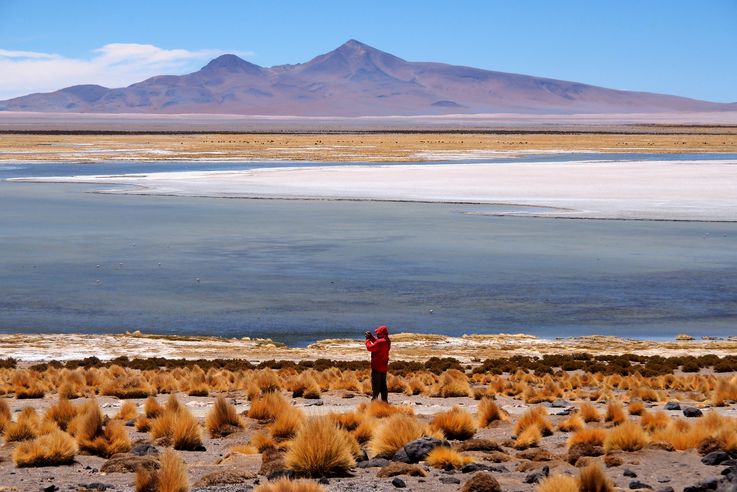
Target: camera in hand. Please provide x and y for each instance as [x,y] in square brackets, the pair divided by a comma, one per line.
[369,334]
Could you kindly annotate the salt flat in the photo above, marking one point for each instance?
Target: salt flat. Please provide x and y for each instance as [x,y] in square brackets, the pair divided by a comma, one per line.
[646,190]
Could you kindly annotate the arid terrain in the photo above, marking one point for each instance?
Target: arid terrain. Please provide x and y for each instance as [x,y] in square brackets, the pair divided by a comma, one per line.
[360,147]
[582,418]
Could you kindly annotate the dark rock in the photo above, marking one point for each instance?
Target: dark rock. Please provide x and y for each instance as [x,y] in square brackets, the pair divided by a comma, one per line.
[373,463]
[449,480]
[692,412]
[538,476]
[144,449]
[50,488]
[324,481]
[224,477]
[199,447]
[629,473]
[672,405]
[475,467]
[478,445]
[636,484]
[127,463]
[417,450]
[130,423]
[715,458]
[394,468]
[666,489]
[398,483]
[482,482]
[98,486]
[705,486]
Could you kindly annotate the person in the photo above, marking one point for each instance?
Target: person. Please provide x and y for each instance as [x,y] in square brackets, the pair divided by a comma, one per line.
[379,347]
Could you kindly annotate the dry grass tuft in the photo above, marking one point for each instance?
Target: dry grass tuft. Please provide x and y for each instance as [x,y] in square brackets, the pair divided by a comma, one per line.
[558,483]
[53,449]
[62,412]
[490,412]
[628,437]
[615,413]
[171,476]
[445,458]
[320,448]
[455,424]
[653,421]
[27,426]
[152,408]
[535,416]
[453,383]
[529,437]
[98,439]
[592,436]
[379,409]
[589,413]
[287,485]
[288,423]
[178,427]
[223,419]
[593,479]
[572,424]
[636,408]
[268,407]
[395,432]
[128,411]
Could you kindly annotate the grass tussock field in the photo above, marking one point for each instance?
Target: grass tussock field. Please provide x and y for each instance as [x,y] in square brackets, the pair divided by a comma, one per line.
[357,147]
[554,423]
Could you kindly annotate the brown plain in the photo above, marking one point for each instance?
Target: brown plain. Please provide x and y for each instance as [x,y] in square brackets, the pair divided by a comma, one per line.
[355,147]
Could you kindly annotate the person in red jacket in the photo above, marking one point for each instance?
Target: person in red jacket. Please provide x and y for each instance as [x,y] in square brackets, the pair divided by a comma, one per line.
[379,347]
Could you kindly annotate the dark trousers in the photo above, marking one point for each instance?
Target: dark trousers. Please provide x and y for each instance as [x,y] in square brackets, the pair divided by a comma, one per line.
[378,385]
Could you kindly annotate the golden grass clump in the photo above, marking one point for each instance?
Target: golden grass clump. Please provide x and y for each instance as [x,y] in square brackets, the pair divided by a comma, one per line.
[62,412]
[287,485]
[536,416]
[222,419]
[589,435]
[627,436]
[589,413]
[636,408]
[152,408]
[652,421]
[268,407]
[490,412]
[53,449]
[558,483]
[381,409]
[456,423]
[528,438]
[320,448]
[288,423]
[593,479]
[26,385]
[615,413]
[444,457]
[101,440]
[244,449]
[572,424]
[453,383]
[395,432]
[263,441]
[170,477]
[27,426]
[128,411]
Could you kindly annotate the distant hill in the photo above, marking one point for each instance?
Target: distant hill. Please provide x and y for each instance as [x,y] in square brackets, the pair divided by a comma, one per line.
[352,80]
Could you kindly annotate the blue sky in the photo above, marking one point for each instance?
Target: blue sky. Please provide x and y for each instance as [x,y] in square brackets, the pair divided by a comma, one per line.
[676,47]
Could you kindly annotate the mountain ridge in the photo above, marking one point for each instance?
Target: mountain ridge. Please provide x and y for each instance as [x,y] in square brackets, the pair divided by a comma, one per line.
[354,79]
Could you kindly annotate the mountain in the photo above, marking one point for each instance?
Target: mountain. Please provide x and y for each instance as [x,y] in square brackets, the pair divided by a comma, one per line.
[352,80]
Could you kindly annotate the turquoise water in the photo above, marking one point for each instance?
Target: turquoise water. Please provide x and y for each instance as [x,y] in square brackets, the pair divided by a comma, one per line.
[298,271]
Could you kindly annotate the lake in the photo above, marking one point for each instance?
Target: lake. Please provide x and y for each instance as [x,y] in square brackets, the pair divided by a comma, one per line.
[297,271]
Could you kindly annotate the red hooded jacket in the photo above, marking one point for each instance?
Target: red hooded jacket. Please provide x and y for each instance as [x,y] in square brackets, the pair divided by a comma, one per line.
[379,348]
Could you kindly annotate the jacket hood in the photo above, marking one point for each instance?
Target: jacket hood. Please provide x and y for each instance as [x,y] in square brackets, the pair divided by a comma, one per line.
[382,331]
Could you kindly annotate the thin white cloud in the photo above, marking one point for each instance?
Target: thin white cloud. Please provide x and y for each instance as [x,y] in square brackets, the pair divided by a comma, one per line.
[112,65]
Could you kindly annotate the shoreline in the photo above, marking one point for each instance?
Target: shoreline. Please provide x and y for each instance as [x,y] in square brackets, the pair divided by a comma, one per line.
[36,348]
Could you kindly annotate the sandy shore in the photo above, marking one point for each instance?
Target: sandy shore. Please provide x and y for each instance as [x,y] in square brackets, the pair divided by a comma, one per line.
[649,190]
[405,346]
